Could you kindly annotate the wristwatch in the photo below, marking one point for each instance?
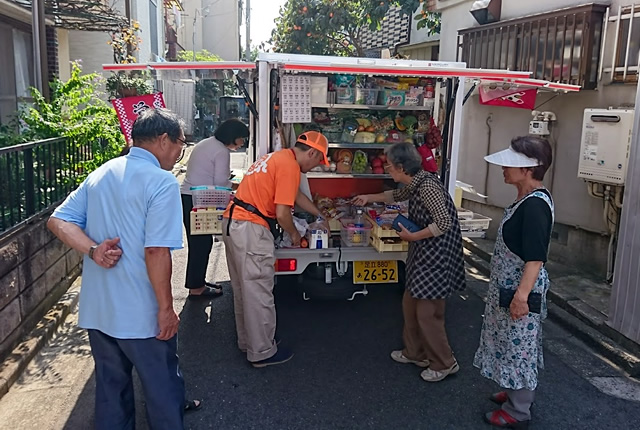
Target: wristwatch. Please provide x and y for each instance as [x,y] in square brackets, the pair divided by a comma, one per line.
[91,250]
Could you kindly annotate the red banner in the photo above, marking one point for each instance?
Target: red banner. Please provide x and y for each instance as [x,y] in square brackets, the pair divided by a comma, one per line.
[513,97]
[128,109]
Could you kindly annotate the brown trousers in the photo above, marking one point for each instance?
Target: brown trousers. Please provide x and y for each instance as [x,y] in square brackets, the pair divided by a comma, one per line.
[251,261]
[424,335]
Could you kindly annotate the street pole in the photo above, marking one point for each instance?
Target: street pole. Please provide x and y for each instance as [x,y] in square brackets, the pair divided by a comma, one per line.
[39,48]
[247,53]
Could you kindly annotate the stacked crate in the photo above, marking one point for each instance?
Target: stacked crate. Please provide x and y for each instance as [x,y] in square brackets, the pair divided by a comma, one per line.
[386,240]
[209,204]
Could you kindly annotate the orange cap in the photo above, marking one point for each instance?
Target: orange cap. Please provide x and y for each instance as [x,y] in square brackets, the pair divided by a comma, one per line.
[317,141]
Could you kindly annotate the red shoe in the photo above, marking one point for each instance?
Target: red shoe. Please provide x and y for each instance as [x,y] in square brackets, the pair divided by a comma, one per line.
[499,418]
[499,398]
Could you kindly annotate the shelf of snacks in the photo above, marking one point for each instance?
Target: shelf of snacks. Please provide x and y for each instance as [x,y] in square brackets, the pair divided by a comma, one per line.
[371,107]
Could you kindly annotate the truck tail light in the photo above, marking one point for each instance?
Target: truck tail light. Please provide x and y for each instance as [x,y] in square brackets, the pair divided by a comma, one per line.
[286,265]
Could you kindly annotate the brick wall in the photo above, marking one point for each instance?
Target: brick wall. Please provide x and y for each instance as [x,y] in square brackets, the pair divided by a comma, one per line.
[52,53]
[35,270]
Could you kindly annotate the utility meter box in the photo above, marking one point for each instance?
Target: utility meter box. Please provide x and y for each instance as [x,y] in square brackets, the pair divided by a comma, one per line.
[604,148]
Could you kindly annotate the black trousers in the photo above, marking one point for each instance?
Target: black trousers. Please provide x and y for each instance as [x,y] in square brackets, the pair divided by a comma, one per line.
[199,248]
[156,362]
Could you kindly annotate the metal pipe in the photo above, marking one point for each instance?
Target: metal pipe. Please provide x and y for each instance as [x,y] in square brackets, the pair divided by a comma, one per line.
[488,151]
[618,197]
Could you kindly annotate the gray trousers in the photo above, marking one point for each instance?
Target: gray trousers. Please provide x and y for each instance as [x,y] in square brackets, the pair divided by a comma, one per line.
[251,262]
[518,404]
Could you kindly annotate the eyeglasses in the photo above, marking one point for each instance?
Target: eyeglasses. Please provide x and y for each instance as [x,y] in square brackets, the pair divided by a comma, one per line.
[387,166]
[184,142]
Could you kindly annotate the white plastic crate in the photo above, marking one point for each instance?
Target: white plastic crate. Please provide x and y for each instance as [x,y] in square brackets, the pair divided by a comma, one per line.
[206,221]
[355,236]
[209,196]
[464,214]
[477,223]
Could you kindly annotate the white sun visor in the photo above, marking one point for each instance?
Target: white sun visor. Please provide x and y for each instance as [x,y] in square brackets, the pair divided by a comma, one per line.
[511,158]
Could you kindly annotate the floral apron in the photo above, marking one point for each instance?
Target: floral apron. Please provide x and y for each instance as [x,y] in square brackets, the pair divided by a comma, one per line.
[510,352]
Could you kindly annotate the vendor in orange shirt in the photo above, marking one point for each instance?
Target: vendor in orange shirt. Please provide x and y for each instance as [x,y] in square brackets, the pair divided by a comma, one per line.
[266,196]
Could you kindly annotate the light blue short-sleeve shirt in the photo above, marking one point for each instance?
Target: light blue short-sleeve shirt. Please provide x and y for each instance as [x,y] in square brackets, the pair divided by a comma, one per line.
[132,198]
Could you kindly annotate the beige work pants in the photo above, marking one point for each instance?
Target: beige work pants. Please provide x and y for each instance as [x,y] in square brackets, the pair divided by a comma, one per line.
[424,334]
[251,261]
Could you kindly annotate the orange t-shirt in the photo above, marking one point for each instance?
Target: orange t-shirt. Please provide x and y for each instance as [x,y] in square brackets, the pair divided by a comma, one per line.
[272,180]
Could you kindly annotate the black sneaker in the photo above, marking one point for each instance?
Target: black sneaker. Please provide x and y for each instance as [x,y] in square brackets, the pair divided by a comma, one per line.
[282,356]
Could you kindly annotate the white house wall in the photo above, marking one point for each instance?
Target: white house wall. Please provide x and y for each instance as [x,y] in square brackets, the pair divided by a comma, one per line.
[217,27]
[574,207]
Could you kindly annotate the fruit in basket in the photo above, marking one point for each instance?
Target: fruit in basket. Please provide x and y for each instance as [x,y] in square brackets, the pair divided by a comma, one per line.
[304,243]
[361,128]
[378,170]
[380,138]
[345,155]
[370,129]
[399,124]
[376,162]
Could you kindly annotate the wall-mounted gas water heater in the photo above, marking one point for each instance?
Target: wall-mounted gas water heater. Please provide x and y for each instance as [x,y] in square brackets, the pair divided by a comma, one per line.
[604,148]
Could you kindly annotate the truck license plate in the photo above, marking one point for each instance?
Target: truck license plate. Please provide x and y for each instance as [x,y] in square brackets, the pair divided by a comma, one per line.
[375,272]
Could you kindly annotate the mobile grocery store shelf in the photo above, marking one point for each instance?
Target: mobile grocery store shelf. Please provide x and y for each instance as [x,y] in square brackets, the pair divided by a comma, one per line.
[370,107]
[360,145]
[328,175]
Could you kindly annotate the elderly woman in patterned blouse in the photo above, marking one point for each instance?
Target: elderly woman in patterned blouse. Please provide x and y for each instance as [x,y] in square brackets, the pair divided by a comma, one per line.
[435,266]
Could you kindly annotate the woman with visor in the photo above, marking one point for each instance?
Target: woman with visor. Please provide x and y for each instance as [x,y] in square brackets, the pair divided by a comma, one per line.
[510,351]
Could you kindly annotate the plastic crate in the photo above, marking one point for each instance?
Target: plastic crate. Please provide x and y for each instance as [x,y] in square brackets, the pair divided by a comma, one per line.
[209,196]
[381,246]
[464,214]
[206,221]
[355,236]
[477,223]
[379,232]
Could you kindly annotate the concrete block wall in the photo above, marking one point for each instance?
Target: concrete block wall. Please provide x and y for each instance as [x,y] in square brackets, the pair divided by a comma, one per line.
[35,270]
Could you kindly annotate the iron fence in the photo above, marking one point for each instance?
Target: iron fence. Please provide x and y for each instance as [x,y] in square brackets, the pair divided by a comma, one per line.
[38,175]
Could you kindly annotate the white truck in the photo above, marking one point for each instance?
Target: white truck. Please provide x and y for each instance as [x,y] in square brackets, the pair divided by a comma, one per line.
[262,83]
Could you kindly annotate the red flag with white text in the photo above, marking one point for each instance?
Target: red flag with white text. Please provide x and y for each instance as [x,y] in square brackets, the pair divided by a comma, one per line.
[128,109]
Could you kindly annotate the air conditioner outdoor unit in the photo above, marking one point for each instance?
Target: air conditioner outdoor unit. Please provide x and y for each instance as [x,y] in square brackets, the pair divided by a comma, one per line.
[604,148]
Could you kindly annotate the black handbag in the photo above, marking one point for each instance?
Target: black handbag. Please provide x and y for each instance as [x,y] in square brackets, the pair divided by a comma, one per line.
[534,301]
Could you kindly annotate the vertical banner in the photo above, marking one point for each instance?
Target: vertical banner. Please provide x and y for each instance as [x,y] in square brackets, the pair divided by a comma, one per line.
[128,109]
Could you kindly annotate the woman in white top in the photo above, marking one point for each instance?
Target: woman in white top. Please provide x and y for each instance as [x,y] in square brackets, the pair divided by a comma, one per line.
[209,164]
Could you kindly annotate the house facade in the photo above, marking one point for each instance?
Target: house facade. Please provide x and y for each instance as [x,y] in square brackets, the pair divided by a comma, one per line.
[561,41]
[213,25]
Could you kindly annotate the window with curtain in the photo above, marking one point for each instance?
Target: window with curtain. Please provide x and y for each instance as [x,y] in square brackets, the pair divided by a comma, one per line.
[23,61]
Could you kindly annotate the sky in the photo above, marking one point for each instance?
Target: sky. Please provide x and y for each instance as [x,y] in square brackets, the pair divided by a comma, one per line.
[263,12]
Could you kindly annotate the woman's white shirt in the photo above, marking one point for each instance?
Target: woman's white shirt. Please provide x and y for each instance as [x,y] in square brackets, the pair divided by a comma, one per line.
[209,164]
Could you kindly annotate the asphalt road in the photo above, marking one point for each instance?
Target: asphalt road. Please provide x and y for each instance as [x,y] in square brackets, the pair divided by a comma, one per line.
[340,378]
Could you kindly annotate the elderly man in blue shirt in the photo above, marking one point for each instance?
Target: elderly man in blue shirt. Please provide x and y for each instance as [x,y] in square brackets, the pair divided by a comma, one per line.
[125,218]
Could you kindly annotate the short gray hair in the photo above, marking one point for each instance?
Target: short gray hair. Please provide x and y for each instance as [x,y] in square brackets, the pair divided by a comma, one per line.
[152,123]
[406,156]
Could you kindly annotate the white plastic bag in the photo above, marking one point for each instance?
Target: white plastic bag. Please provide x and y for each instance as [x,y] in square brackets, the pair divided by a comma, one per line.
[301,226]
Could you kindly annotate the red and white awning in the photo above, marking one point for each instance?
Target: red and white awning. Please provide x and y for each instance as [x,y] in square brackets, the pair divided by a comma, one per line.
[187,65]
[533,83]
